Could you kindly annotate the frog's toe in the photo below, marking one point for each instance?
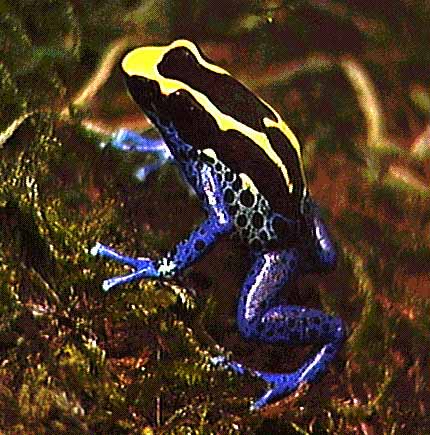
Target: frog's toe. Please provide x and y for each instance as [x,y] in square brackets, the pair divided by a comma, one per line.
[146,269]
[281,386]
[96,249]
[223,362]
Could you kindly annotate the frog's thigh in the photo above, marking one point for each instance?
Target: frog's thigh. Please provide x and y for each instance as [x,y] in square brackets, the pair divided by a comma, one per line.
[270,272]
[259,317]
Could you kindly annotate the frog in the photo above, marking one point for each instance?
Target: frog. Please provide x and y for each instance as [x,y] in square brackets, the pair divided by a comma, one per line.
[246,168]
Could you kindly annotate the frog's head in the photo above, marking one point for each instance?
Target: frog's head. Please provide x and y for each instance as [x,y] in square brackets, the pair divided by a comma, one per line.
[162,81]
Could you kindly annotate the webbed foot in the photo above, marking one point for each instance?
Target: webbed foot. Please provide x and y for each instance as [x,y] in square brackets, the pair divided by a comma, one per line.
[280,385]
[144,267]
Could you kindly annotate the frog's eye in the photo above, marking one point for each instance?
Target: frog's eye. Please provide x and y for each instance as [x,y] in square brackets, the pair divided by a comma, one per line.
[177,59]
[144,91]
[183,102]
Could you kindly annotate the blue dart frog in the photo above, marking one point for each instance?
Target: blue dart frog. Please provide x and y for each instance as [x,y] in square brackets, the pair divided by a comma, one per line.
[245,166]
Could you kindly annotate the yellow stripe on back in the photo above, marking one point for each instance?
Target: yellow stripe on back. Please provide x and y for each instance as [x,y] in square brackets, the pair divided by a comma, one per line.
[143,62]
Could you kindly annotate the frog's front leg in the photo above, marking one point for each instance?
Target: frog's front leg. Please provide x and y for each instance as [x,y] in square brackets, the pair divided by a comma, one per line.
[128,140]
[260,318]
[186,252]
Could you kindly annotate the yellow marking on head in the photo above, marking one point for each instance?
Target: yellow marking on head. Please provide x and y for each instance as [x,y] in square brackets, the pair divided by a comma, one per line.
[143,62]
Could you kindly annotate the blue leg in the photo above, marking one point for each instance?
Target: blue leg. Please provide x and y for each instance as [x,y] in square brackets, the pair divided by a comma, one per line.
[128,140]
[185,253]
[260,318]
[322,253]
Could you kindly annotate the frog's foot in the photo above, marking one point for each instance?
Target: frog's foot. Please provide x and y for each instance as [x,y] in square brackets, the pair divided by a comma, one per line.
[144,267]
[280,385]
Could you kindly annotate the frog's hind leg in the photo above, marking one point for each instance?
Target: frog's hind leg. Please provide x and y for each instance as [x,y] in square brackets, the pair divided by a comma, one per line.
[259,318]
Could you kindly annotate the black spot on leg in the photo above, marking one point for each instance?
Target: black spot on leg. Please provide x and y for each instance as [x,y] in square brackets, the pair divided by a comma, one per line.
[241,220]
[263,235]
[304,322]
[229,176]
[237,184]
[246,198]
[245,233]
[233,210]
[257,220]
[199,245]
[228,196]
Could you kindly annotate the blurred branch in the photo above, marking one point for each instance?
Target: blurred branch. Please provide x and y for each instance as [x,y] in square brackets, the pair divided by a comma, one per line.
[368,100]
[100,75]
[10,130]
[286,72]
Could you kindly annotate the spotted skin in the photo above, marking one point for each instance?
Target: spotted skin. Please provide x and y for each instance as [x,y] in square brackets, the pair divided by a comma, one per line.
[245,166]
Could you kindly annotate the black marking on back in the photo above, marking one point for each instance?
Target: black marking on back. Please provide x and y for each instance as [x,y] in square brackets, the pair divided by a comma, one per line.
[285,150]
[230,96]
[198,128]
